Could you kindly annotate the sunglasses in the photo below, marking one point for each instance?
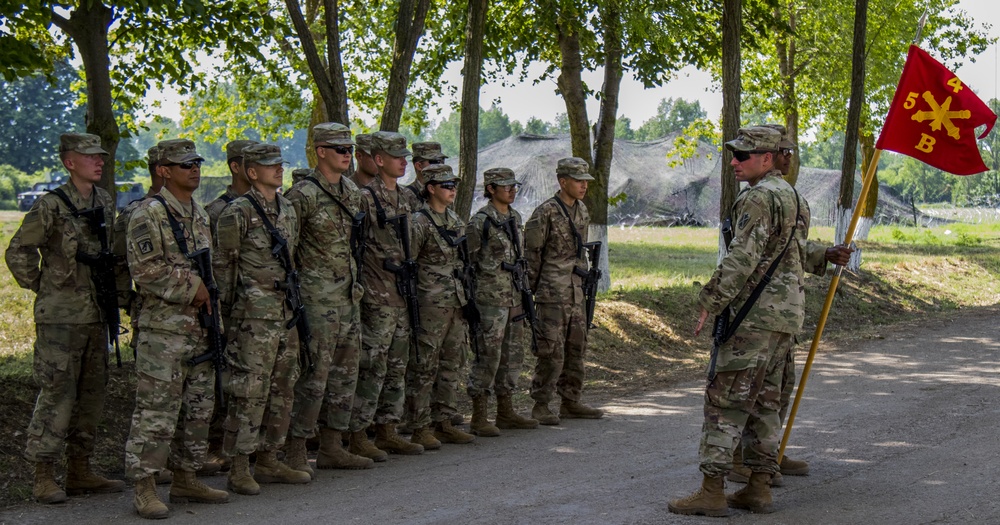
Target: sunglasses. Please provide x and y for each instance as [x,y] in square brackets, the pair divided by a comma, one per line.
[435,161]
[343,150]
[186,165]
[744,156]
[447,185]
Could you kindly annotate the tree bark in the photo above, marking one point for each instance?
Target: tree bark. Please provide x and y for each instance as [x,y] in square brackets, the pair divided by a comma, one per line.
[472,79]
[789,101]
[848,166]
[731,87]
[409,29]
[88,27]
[331,13]
[570,83]
[322,79]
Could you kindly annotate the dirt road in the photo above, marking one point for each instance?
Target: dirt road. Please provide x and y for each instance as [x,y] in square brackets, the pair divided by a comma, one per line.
[901,429]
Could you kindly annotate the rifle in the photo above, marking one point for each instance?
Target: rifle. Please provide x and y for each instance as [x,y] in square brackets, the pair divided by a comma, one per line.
[406,277]
[102,269]
[590,278]
[290,285]
[468,277]
[721,325]
[211,322]
[519,274]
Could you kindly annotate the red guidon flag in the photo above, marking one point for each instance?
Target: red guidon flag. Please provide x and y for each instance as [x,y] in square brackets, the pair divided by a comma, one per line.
[934,116]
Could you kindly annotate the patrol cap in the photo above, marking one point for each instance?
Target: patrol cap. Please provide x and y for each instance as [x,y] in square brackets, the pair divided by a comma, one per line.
[234,149]
[364,142]
[427,151]
[152,156]
[756,138]
[574,167]
[438,173]
[300,173]
[785,142]
[263,154]
[497,176]
[84,143]
[333,134]
[177,151]
[390,142]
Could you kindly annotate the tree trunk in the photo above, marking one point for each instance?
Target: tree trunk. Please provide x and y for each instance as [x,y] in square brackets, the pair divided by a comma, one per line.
[867,141]
[604,136]
[88,27]
[731,87]
[849,165]
[321,78]
[570,83]
[789,101]
[331,13]
[409,29]
[472,79]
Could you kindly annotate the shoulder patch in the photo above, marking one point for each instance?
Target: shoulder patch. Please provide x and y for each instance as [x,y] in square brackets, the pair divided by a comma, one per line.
[145,246]
[743,221]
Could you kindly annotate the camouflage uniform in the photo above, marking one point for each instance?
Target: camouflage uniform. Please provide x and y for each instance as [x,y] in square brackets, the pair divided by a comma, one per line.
[262,353]
[748,371]
[71,344]
[174,400]
[552,251]
[364,143]
[423,151]
[432,375]
[501,346]
[385,329]
[332,295]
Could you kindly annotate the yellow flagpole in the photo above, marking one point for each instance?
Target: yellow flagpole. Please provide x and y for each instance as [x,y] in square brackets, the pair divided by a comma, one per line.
[848,238]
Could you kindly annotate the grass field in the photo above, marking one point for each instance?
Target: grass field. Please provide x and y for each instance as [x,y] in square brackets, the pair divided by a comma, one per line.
[643,338]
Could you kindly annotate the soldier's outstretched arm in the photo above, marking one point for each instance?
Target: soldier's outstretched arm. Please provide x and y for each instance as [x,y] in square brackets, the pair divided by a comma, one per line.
[148,263]
[22,255]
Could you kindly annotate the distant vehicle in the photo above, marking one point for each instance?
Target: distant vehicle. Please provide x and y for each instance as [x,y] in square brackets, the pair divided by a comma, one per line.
[27,199]
[131,192]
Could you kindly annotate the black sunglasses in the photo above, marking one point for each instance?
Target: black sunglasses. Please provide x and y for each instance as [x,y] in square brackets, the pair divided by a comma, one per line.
[744,156]
[435,161]
[343,150]
[450,185]
[186,165]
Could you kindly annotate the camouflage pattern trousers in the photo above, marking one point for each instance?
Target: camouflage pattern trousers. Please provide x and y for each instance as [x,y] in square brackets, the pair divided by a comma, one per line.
[432,379]
[742,401]
[263,358]
[562,342]
[385,349]
[329,389]
[173,404]
[71,371]
[788,381]
[216,429]
[497,367]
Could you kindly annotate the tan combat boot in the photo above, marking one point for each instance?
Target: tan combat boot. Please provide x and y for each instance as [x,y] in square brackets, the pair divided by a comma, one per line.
[792,467]
[575,409]
[240,480]
[388,440]
[147,503]
[541,413]
[332,454]
[508,419]
[457,419]
[480,424]
[81,480]
[296,457]
[446,433]
[269,470]
[360,446]
[164,477]
[215,461]
[424,437]
[187,489]
[709,500]
[741,473]
[46,490]
[755,497]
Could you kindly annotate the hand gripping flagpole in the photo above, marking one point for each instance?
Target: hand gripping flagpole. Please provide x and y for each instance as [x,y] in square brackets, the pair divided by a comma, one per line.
[848,238]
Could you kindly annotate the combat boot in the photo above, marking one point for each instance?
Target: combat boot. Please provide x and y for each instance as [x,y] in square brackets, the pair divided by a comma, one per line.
[741,473]
[541,413]
[508,419]
[296,457]
[269,470]
[793,467]
[709,500]
[388,440]
[424,437]
[480,425]
[360,446]
[81,480]
[147,503]
[446,433]
[164,477]
[332,454]
[755,497]
[240,480]
[215,461]
[46,490]
[187,489]
[457,419]
[575,409]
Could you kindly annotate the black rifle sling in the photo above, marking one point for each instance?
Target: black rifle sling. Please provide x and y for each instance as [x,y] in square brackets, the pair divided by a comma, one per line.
[334,199]
[175,226]
[226,198]
[415,192]
[572,226]
[379,210]
[276,237]
[356,234]
[449,236]
[759,289]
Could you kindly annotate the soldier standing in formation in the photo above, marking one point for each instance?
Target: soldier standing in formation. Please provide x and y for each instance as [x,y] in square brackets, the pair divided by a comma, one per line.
[424,154]
[553,239]
[71,344]
[433,371]
[174,399]
[367,170]
[385,328]
[263,353]
[328,207]
[496,249]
